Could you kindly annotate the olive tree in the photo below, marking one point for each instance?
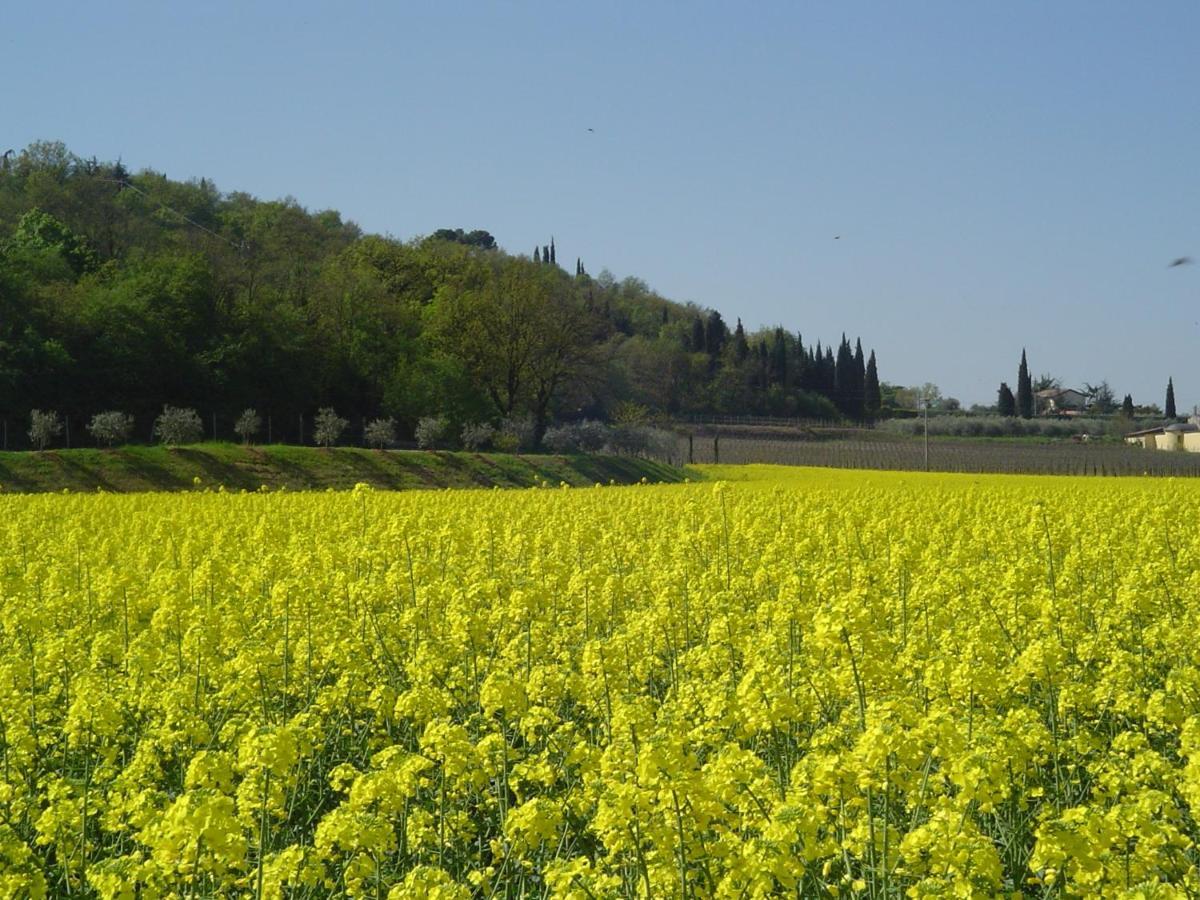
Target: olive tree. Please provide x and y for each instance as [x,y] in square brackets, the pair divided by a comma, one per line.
[380,433]
[248,425]
[44,427]
[178,425]
[328,427]
[431,432]
[111,427]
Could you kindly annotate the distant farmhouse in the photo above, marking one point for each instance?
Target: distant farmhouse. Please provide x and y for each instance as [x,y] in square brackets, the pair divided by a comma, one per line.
[1176,436]
[1060,402]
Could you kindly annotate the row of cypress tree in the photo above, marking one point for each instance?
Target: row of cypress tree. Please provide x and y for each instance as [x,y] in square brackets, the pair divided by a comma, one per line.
[780,360]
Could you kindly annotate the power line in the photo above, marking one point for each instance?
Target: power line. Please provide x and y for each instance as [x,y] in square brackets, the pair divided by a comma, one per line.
[240,246]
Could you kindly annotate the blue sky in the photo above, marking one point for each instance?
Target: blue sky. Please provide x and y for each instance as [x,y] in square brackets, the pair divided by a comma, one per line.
[1000,175]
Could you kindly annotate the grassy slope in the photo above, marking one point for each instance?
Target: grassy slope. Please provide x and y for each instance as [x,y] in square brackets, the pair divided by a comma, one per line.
[307,468]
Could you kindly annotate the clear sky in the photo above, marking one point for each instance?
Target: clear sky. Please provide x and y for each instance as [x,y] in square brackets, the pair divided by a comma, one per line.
[1000,174]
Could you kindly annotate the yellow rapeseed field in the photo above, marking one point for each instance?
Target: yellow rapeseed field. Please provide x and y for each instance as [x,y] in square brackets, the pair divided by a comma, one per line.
[782,683]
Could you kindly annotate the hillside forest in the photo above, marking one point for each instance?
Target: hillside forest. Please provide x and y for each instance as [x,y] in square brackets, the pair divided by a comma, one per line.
[128,291]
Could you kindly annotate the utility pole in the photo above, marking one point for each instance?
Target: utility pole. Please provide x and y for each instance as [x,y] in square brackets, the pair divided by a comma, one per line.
[925,407]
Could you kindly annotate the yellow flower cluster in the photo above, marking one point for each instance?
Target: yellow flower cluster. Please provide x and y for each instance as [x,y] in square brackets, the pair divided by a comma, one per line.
[795,684]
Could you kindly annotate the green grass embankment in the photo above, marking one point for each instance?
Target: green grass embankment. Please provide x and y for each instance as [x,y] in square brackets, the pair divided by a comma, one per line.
[128,469]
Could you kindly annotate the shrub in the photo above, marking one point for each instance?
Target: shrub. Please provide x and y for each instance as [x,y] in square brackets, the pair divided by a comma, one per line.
[328,426]
[476,436]
[503,442]
[380,433]
[518,433]
[998,426]
[629,413]
[587,436]
[642,440]
[431,432]
[111,428]
[561,439]
[44,427]
[248,424]
[178,425]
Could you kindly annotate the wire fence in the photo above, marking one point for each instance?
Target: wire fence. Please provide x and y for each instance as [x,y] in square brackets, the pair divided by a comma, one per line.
[713,421]
[1065,458]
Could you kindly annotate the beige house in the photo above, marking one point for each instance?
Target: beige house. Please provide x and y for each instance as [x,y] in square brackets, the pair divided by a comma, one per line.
[1178,436]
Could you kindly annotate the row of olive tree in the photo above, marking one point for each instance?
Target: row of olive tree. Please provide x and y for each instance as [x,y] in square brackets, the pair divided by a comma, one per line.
[586,436]
[177,426]
[182,425]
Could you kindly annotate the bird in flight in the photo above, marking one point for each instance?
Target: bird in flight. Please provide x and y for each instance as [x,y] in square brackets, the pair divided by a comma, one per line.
[1181,261]
[592,130]
[837,237]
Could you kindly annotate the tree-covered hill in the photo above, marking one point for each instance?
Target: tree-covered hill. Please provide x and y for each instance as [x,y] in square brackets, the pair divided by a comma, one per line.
[124,291]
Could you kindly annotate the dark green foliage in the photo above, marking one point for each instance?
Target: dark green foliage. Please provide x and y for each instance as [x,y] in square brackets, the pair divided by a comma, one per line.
[1006,403]
[872,397]
[777,360]
[1169,406]
[477,238]
[1024,389]
[740,348]
[715,333]
[134,292]
[845,378]
[1127,406]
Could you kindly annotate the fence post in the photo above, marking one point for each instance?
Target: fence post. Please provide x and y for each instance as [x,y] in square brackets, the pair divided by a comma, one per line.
[691,454]
[716,448]
[301,441]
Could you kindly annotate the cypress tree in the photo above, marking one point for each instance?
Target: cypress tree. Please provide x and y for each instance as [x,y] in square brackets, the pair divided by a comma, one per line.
[843,378]
[872,396]
[546,254]
[779,358]
[1006,403]
[761,376]
[553,258]
[740,348]
[800,370]
[1127,406]
[1169,408]
[578,267]
[537,255]
[715,333]
[858,401]
[1024,389]
[818,370]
